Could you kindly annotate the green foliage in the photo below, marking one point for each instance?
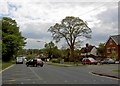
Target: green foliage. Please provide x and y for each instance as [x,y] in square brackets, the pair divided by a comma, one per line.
[12,40]
[30,57]
[52,50]
[55,60]
[114,55]
[116,71]
[71,29]
[0,42]
[7,64]
[101,49]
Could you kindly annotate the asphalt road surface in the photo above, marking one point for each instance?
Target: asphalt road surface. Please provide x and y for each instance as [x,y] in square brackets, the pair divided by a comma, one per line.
[20,74]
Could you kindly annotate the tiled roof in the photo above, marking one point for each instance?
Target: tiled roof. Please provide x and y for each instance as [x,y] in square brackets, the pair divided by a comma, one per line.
[116,38]
[83,50]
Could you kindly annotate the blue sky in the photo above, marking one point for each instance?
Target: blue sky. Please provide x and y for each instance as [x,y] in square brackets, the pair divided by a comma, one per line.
[35,17]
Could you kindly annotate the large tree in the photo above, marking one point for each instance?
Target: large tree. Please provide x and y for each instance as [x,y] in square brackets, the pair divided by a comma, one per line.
[12,40]
[71,29]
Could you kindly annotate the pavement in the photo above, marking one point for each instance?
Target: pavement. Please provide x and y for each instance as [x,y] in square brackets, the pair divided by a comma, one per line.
[101,70]
[107,73]
[107,70]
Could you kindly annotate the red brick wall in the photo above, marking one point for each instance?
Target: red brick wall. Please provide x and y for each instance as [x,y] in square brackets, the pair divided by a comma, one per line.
[119,52]
[108,45]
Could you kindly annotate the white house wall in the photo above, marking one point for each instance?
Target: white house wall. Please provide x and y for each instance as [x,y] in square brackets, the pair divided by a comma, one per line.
[94,51]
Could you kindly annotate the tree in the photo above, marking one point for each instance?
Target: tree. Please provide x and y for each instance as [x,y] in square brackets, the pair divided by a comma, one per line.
[101,49]
[71,29]
[114,55]
[12,40]
[50,48]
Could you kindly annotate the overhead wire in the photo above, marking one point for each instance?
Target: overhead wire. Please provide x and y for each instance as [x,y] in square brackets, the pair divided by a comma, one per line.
[95,8]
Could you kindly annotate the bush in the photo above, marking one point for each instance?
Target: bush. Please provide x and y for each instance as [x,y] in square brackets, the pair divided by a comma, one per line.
[55,61]
[30,57]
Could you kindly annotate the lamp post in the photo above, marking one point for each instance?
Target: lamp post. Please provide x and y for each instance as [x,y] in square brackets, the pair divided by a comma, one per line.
[45,59]
[42,41]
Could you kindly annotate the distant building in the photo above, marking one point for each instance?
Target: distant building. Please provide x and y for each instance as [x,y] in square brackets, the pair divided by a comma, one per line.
[88,51]
[112,47]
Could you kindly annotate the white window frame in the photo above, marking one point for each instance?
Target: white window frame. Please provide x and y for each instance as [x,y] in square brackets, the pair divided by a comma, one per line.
[108,50]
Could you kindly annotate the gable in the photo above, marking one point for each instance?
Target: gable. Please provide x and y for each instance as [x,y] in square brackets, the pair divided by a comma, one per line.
[114,40]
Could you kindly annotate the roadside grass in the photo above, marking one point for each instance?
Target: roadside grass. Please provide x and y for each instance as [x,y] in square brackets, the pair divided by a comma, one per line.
[0,65]
[6,64]
[66,64]
[116,70]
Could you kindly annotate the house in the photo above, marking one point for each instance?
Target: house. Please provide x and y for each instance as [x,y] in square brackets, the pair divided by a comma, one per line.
[112,47]
[89,50]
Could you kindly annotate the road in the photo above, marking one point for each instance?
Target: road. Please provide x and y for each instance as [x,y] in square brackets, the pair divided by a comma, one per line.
[20,74]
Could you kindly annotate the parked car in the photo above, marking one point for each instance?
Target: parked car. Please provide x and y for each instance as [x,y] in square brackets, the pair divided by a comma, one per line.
[117,62]
[89,60]
[34,62]
[107,61]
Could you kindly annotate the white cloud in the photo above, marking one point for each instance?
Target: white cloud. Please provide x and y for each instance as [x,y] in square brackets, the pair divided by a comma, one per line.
[35,17]
[3,8]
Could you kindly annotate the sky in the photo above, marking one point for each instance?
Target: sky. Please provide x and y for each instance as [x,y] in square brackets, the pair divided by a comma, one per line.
[34,18]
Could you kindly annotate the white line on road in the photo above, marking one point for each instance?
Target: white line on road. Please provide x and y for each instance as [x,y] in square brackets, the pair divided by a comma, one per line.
[36,74]
[7,68]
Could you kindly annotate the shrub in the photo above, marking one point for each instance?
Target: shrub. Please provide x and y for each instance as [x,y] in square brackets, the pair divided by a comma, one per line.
[55,60]
[30,57]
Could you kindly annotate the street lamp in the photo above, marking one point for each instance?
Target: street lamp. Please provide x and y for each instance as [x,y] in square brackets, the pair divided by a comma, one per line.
[42,41]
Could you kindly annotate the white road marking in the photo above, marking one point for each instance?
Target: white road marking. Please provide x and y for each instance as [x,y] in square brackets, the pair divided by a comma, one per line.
[65,81]
[75,80]
[85,80]
[7,68]
[44,81]
[33,82]
[22,83]
[36,74]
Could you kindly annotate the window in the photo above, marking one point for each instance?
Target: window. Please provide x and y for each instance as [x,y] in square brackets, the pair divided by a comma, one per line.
[108,50]
[113,49]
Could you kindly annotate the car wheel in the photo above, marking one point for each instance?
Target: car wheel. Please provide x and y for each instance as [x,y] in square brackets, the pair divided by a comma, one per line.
[36,65]
[41,65]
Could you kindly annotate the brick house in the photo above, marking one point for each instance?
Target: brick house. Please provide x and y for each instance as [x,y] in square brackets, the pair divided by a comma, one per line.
[112,47]
[89,51]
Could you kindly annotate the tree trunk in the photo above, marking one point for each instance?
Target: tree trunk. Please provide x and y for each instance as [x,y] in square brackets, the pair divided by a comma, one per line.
[72,54]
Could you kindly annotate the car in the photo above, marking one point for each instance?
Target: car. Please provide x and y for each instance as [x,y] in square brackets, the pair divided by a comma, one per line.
[89,60]
[40,62]
[34,62]
[107,61]
[117,62]
[19,59]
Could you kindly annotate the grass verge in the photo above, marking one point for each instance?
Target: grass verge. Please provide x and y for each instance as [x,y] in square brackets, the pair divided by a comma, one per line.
[7,64]
[116,70]
[65,64]
[0,65]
